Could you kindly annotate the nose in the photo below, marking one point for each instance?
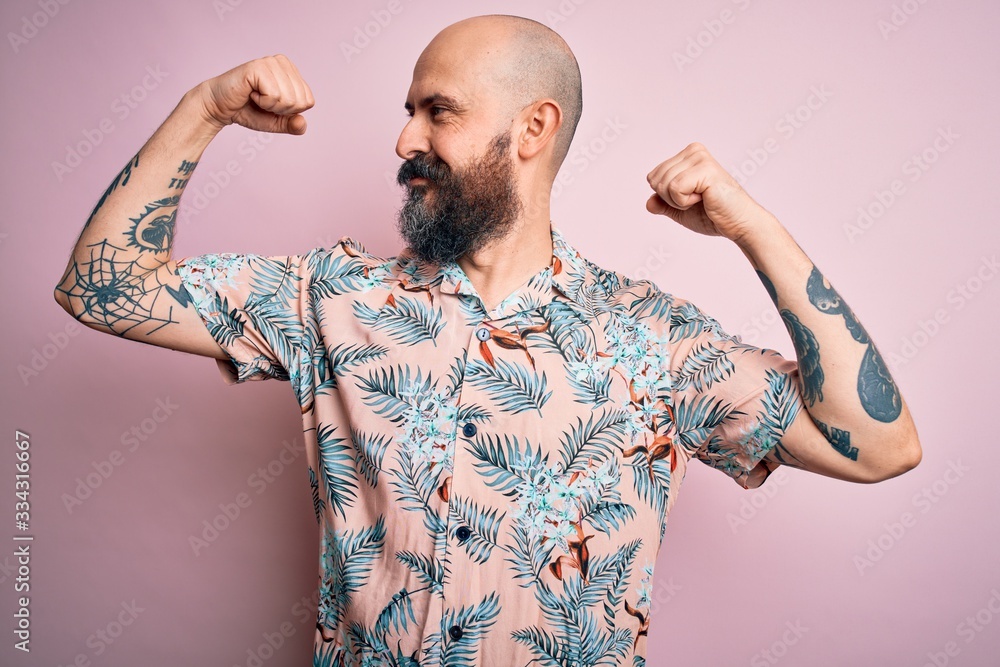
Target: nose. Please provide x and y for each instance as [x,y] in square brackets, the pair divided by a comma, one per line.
[412,139]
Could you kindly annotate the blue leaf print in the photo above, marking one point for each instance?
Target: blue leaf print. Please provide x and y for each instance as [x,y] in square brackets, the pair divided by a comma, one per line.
[370,450]
[475,622]
[338,474]
[705,365]
[274,280]
[318,502]
[332,274]
[500,464]
[428,569]
[389,394]
[350,555]
[484,526]
[512,386]
[406,321]
[599,438]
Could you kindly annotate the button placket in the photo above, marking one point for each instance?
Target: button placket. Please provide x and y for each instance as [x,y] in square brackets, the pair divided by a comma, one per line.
[453,589]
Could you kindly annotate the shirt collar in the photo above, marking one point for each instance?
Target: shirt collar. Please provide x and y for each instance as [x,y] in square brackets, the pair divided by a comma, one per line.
[566,274]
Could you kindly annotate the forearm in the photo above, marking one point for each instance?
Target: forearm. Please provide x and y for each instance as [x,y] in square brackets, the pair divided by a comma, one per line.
[134,220]
[844,381]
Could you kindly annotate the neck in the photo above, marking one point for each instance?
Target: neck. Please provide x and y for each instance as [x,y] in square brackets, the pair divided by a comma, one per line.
[501,267]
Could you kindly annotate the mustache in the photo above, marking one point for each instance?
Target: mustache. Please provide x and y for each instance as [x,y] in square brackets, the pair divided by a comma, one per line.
[421,167]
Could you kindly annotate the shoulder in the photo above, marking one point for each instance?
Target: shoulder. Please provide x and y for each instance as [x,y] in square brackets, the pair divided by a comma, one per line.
[647,302]
[641,298]
[348,266]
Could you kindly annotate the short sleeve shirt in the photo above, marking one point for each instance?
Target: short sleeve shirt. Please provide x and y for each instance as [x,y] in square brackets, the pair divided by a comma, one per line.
[491,487]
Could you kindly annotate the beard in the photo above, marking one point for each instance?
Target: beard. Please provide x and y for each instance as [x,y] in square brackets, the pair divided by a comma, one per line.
[459,212]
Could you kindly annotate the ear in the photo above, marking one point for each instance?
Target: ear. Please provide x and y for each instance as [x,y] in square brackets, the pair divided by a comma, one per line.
[541,121]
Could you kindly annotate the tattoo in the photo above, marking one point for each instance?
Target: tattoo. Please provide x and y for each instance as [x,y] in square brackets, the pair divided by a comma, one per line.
[153,230]
[807,351]
[121,179]
[769,286]
[785,457]
[876,388]
[841,440]
[112,286]
[120,294]
[186,168]
[827,300]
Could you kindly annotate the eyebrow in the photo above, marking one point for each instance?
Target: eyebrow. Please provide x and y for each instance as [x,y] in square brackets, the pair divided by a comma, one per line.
[447,100]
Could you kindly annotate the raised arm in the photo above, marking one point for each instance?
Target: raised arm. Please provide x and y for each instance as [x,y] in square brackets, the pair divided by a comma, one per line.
[121,278]
[847,418]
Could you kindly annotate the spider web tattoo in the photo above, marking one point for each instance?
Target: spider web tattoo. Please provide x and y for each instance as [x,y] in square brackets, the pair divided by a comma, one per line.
[120,293]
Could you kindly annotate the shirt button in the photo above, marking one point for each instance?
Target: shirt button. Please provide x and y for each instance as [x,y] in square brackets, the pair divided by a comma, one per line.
[482,333]
[455,632]
[463,533]
[469,430]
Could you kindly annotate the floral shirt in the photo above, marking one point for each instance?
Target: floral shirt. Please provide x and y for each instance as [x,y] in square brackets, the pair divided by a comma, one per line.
[491,488]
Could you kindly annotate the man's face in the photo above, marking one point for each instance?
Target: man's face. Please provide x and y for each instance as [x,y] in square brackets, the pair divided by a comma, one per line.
[461,181]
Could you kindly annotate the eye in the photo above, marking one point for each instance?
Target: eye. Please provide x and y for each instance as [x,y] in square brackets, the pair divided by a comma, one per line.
[435,109]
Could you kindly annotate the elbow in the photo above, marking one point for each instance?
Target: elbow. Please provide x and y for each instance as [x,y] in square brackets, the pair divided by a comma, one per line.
[906,457]
[62,300]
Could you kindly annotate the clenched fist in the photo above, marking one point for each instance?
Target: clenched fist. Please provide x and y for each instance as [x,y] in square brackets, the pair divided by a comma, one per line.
[693,189]
[267,94]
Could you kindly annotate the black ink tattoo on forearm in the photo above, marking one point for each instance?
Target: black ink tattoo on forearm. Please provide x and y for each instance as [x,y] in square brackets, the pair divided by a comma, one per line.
[180,182]
[876,389]
[840,439]
[807,351]
[153,230]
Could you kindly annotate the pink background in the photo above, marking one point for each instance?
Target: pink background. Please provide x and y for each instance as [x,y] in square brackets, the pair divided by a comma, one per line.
[725,591]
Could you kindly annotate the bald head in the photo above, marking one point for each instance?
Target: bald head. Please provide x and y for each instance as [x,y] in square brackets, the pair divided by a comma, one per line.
[522,61]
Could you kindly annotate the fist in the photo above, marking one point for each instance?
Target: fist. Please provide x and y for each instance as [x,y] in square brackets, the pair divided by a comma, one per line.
[267,94]
[693,189]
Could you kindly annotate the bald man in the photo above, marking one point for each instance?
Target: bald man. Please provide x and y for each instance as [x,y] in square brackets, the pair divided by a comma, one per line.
[496,427]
